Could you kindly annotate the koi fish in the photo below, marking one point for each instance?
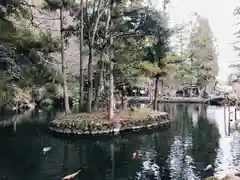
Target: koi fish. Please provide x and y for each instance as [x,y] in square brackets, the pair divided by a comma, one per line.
[71,176]
[134,155]
[46,149]
[208,167]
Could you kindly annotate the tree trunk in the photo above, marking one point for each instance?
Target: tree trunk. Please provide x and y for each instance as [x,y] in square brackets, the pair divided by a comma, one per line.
[81,80]
[65,88]
[91,38]
[102,66]
[100,84]
[101,77]
[200,91]
[111,92]
[90,80]
[123,101]
[162,88]
[155,102]
[111,80]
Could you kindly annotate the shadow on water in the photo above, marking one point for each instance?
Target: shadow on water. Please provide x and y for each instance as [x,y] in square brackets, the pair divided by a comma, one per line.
[179,152]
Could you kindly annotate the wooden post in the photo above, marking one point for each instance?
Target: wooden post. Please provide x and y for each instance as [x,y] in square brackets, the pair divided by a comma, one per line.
[228,128]
[235,115]
[225,114]
[229,111]
[229,114]
[236,109]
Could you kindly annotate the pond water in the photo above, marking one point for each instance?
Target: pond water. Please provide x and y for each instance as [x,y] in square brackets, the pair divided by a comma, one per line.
[196,138]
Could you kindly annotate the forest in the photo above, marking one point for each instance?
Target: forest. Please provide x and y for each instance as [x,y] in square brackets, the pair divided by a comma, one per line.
[84,52]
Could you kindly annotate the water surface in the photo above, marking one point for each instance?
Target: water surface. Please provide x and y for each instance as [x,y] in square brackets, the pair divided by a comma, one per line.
[196,138]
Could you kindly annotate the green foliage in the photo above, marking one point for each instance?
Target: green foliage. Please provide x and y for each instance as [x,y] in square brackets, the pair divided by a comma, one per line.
[204,59]
[10,7]
[16,9]
[236,47]
[25,60]
[155,25]
[25,41]
[129,34]
[237,34]
[7,92]
[143,35]
[53,5]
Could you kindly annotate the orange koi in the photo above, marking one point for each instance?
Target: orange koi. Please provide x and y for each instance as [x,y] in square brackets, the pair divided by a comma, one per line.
[134,155]
[71,176]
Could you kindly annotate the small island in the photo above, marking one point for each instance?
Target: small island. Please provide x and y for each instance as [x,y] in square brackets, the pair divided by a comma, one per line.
[98,123]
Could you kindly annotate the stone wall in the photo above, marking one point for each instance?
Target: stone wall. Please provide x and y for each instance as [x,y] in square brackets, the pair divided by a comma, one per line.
[88,127]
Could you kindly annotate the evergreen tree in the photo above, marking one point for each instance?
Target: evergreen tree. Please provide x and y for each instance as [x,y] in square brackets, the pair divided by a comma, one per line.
[25,65]
[61,6]
[157,52]
[204,60]
[237,34]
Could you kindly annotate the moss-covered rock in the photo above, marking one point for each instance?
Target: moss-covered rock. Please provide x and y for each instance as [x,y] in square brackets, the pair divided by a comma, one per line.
[211,178]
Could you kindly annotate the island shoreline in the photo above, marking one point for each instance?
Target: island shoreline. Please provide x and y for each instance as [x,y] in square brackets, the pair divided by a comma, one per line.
[89,127]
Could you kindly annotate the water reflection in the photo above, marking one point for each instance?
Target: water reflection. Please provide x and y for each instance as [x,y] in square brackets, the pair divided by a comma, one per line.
[229,151]
[195,139]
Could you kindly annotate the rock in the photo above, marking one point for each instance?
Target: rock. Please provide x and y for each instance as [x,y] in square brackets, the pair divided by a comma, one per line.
[230,174]
[211,178]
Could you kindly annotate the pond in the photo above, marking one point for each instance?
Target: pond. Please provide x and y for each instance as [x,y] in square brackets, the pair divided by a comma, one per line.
[195,139]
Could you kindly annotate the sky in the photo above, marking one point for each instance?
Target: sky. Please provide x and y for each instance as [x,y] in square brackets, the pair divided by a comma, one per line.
[221,19]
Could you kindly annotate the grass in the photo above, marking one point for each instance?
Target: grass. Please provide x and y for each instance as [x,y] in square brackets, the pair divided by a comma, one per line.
[125,114]
[97,122]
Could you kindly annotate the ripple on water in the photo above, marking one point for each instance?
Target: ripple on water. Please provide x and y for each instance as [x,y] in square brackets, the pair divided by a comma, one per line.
[177,153]
[229,151]
[150,170]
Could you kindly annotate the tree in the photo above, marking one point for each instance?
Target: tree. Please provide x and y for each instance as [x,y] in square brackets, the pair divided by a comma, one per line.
[111,63]
[114,49]
[25,64]
[237,34]
[93,11]
[130,26]
[236,47]
[235,65]
[111,41]
[204,60]
[61,5]
[116,12]
[157,51]
[141,24]
[81,38]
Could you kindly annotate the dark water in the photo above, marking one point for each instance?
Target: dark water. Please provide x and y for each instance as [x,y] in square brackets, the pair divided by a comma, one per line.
[179,153]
